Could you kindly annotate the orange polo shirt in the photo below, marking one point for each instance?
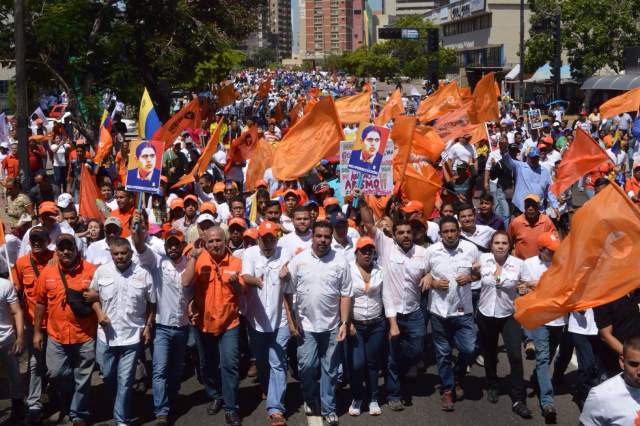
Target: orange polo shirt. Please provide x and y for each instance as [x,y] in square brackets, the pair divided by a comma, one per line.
[25,279]
[213,295]
[525,236]
[632,185]
[62,324]
[11,165]
[124,220]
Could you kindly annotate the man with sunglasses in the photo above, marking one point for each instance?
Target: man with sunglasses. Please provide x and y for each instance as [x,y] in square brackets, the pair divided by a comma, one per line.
[49,214]
[71,327]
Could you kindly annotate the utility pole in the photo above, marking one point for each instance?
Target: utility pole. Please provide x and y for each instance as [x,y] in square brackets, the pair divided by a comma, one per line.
[557,51]
[521,74]
[21,94]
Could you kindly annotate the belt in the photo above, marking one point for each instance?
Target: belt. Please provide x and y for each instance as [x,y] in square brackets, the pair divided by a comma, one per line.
[364,323]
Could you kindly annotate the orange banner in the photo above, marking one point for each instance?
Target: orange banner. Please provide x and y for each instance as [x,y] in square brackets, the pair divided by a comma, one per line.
[485,101]
[354,109]
[226,96]
[89,195]
[261,159]
[392,109]
[263,89]
[455,124]
[240,149]
[421,183]
[183,119]
[443,100]
[627,102]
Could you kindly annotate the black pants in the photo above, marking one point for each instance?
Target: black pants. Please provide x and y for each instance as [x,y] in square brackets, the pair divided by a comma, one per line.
[489,329]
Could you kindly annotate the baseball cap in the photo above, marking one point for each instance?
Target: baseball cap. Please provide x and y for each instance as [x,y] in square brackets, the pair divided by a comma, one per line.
[173,233]
[534,152]
[177,202]
[268,227]
[413,207]
[218,187]
[208,206]
[330,201]
[4,144]
[262,182]
[364,242]
[556,124]
[64,200]
[549,240]
[291,192]
[65,237]
[48,207]
[38,233]
[191,197]
[321,187]
[237,221]
[111,220]
[534,197]
[251,233]
[205,217]
[337,218]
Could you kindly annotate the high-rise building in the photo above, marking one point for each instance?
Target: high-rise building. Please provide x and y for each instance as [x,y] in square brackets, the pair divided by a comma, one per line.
[280,26]
[407,7]
[328,27]
[359,27]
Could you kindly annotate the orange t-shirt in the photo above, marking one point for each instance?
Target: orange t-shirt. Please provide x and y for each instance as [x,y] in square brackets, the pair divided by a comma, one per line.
[124,220]
[632,185]
[11,165]
[525,236]
[121,166]
[213,295]
[62,324]
[25,279]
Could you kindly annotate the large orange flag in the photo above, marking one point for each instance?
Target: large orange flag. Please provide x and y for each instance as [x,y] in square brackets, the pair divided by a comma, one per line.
[465,94]
[628,101]
[485,101]
[443,100]
[309,105]
[427,145]
[455,124]
[263,89]
[315,136]
[596,264]
[183,119]
[240,149]
[354,109]
[294,114]
[582,156]
[392,109]
[421,183]
[261,160]
[402,136]
[226,96]
[89,195]
[203,162]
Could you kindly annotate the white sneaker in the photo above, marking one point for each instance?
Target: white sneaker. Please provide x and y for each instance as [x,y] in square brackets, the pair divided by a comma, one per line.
[354,410]
[374,408]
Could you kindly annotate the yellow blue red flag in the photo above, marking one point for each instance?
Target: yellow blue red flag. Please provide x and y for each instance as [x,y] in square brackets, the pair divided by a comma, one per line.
[148,121]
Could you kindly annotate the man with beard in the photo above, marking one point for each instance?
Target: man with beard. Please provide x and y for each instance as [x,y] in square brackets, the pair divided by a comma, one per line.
[300,238]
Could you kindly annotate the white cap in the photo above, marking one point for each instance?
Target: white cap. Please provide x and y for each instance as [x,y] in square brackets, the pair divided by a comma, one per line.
[64,200]
[204,217]
[4,145]
[25,218]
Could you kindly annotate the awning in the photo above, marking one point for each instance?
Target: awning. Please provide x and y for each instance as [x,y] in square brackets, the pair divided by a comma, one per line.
[612,82]
[511,75]
[544,73]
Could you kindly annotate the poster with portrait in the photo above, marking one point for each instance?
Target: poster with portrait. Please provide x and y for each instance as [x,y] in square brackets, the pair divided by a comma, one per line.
[535,119]
[145,162]
[368,148]
[380,184]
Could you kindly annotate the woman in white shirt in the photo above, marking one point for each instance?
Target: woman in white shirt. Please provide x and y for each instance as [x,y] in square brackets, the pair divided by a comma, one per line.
[368,330]
[500,276]
[60,151]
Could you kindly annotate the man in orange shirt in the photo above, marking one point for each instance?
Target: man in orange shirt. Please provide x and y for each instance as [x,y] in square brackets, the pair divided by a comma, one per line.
[26,271]
[126,207]
[632,186]
[525,229]
[10,164]
[215,275]
[71,327]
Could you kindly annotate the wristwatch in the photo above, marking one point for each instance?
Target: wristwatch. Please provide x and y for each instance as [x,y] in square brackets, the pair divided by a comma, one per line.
[343,323]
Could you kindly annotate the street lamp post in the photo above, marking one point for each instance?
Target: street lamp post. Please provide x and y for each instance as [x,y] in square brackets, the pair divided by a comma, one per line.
[521,74]
[21,93]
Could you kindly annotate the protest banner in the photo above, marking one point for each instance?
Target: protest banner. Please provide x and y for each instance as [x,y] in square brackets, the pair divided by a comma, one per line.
[368,148]
[382,184]
[145,160]
[535,119]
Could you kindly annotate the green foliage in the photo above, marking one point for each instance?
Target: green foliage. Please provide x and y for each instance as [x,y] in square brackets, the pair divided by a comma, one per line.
[218,66]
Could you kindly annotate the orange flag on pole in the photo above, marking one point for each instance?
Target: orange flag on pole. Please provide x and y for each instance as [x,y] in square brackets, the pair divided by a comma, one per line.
[582,156]
[261,159]
[455,124]
[485,101]
[421,183]
[226,96]
[392,109]
[426,145]
[240,149]
[402,136]
[593,266]
[89,195]
[183,119]
[316,136]
[628,101]
[294,114]
[465,94]
[203,162]
[443,100]
[354,109]
[263,89]
[309,105]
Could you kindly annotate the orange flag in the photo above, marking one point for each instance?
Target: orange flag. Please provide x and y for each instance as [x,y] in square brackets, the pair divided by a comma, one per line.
[421,183]
[443,100]
[277,113]
[89,195]
[402,136]
[465,93]
[628,101]
[594,265]
[426,145]
[183,119]
[392,109]
[104,145]
[203,162]
[226,96]
[479,134]
[2,238]
[294,114]
[455,124]
[495,83]
[261,159]
[366,87]
[485,101]
[316,136]
[582,156]
[354,109]
[240,149]
[263,89]
[309,105]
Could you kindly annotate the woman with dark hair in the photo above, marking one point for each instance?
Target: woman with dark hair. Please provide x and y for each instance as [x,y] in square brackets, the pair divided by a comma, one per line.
[500,277]
[94,232]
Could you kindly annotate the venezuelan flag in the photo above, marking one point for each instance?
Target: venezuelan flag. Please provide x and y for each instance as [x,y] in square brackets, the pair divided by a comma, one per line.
[148,121]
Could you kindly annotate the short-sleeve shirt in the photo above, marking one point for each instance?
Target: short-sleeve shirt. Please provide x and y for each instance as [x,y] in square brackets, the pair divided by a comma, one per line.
[498,295]
[292,243]
[612,403]
[525,236]
[459,154]
[8,296]
[532,270]
[11,164]
[623,315]
[25,279]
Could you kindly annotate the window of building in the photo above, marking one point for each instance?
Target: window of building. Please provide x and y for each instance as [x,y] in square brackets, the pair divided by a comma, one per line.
[468,25]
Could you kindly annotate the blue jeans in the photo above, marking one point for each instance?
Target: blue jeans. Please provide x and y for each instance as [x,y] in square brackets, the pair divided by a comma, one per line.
[404,351]
[70,368]
[588,366]
[222,375]
[447,332]
[365,354]
[118,367]
[547,339]
[319,349]
[169,347]
[270,352]
[36,367]
[501,206]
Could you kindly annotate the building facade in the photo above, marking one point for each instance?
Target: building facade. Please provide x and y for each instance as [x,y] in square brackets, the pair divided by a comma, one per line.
[273,30]
[328,27]
[406,7]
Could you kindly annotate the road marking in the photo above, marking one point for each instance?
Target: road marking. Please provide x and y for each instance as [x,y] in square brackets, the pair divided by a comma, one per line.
[314,420]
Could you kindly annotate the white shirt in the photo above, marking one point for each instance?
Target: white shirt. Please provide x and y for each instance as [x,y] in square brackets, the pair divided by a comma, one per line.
[172,297]
[292,243]
[481,236]
[611,403]
[287,223]
[264,309]
[124,297]
[583,324]
[532,270]
[59,157]
[617,159]
[433,231]
[496,298]
[58,228]
[366,304]
[447,264]
[493,158]
[8,296]
[348,250]
[98,253]
[402,274]
[318,285]
[13,247]
[459,153]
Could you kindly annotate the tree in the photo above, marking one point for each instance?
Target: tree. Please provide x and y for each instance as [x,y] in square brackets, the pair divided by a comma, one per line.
[262,57]
[89,46]
[594,33]
[217,67]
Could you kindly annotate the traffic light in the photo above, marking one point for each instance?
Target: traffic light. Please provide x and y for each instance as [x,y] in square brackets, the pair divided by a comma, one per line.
[389,33]
[433,40]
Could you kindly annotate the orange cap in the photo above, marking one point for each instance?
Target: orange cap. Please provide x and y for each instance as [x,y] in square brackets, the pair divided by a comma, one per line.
[413,207]
[251,233]
[330,201]
[208,206]
[173,233]
[177,202]
[268,227]
[549,240]
[237,221]
[48,207]
[191,197]
[533,197]
[365,241]
[262,182]
[218,187]
[291,191]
